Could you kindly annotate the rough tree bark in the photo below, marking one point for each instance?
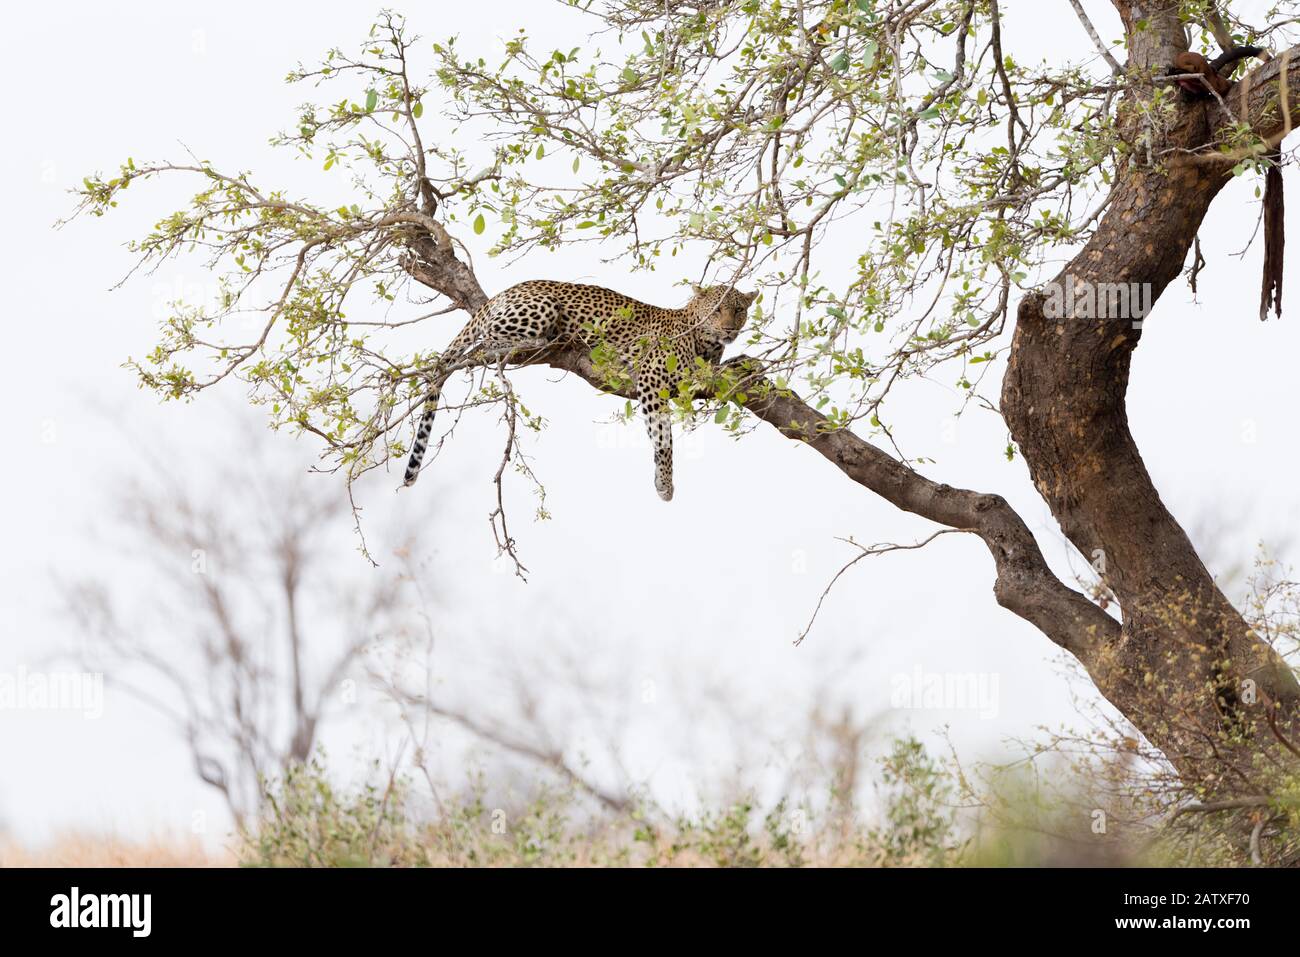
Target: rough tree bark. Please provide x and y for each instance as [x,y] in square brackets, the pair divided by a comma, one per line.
[1183,666]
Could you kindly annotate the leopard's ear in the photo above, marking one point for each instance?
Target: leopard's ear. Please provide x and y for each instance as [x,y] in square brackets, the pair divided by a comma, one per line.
[749,296]
[697,290]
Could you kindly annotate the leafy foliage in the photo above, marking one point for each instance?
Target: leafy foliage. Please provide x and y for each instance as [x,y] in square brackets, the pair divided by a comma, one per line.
[952,170]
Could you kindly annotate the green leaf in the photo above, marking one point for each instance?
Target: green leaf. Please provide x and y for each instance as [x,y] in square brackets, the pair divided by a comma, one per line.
[840,63]
[480,224]
[418,110]
[372,98]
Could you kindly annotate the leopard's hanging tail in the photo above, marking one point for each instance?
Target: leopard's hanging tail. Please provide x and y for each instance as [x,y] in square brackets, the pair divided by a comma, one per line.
[422,434]
[456,350]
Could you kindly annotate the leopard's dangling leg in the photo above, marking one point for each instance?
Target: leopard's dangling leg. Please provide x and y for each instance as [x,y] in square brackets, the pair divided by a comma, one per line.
[659,423]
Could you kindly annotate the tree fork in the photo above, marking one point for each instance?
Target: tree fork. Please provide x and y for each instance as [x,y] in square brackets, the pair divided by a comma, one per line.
[1186,668]
[1178,667]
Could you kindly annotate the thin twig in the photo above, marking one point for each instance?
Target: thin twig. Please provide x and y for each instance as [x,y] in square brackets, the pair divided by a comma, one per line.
[866,553]
[1115,68]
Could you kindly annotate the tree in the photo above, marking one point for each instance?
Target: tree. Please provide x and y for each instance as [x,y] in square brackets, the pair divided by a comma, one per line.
[763,133]
[247,642]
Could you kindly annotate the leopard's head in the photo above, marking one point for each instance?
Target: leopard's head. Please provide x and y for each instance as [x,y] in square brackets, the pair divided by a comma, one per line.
[719,312]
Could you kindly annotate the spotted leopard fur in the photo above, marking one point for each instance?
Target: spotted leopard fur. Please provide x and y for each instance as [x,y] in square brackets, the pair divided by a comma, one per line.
[655,346]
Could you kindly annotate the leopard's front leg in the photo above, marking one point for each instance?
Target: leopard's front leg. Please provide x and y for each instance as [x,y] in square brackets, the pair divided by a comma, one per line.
[651,383]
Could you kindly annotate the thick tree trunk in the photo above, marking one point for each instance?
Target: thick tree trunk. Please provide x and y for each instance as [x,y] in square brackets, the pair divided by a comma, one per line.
[1186,669]
[1183,667]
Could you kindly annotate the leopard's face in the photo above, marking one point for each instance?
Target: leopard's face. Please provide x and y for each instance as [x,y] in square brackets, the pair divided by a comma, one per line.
[719,312]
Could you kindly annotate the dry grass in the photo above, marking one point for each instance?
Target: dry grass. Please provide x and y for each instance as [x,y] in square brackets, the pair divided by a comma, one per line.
[93,850]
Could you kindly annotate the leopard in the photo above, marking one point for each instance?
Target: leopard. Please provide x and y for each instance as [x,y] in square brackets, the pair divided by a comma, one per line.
[656,347]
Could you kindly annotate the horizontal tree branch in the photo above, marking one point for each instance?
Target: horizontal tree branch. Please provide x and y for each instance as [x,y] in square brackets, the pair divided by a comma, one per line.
[1266,98]
[1025,584]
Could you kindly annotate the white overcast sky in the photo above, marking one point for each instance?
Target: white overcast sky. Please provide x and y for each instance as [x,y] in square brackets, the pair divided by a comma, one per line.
[87,85]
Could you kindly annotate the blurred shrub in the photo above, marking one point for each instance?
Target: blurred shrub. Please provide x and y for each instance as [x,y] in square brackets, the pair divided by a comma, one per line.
[928,815]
